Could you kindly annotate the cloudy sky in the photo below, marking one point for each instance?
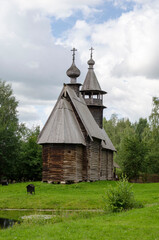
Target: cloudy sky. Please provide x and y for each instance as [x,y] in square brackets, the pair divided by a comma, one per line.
[35,41]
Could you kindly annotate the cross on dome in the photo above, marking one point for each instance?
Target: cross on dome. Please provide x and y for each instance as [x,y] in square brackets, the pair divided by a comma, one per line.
[91,62]
[73,55]
[91,49]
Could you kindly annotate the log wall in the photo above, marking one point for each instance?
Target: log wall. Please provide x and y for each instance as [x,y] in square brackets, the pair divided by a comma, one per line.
[104,165]
[110,165]
[75,163]
[53,156]
[62,163]
[94,160]
[80,164]
[69,163]
[45,152]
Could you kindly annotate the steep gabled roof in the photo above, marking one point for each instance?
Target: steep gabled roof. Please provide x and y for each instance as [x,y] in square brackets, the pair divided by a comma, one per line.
[62,126]
[88,121]
[85,115]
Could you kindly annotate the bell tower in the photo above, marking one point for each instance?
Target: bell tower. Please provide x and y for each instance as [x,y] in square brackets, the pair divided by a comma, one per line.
[92,93]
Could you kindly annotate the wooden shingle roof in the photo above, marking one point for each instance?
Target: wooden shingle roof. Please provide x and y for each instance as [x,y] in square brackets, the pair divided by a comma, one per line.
[91,83]
[62,125]
[85,115]
[107,144]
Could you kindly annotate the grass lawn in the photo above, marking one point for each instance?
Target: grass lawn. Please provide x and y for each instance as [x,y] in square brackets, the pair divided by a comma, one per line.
[134,224]
[75,196]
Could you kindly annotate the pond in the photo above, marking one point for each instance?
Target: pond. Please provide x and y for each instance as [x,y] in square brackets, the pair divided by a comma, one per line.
[5,223]
[10,217]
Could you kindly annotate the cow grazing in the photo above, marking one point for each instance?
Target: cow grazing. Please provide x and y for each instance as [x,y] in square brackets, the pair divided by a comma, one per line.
[30,188]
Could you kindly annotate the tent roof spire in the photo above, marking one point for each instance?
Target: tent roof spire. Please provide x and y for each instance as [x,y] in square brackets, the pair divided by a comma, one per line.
[91,83]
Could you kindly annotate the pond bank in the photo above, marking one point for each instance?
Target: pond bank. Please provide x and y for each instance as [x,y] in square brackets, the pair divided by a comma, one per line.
[6,223]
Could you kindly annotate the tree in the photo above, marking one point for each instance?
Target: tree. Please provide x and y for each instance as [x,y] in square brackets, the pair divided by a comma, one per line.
[9,137]
[137,144]
[154,117]
[132,154]
[30,155]
[109,126]
[115,128]
[151,137]
[140,127]
[20,155]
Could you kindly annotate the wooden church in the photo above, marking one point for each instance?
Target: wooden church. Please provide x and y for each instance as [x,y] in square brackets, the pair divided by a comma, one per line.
[75,146]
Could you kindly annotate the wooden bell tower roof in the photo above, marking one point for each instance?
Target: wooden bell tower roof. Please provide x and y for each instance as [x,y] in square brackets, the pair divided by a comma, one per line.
[91,83]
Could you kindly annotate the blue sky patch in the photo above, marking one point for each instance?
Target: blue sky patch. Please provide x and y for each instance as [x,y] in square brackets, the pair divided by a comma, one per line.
[104,13]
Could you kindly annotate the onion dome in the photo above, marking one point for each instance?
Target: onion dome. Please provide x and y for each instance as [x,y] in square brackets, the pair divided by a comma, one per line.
[91,62]
[73,72]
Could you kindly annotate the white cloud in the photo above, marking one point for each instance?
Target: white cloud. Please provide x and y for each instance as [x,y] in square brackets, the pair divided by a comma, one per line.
[130,42]
[132,97]
[29,59]
[28,51]
[35,62]
[60,8]
[28,112]
[126,58]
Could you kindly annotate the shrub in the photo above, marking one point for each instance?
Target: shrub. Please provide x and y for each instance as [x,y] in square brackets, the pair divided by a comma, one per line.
[121,197]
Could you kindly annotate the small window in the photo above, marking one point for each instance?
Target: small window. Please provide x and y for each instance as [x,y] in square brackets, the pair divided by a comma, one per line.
[86,96]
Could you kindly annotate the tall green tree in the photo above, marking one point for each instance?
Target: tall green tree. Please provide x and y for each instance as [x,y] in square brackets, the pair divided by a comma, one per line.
[115,129]
[140,127]
[132,154]
[9,137]
[137,144]
[30,155]
[152,138]
[154,117]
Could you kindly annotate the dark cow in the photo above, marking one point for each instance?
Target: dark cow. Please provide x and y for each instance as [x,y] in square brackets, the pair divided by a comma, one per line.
[30,188]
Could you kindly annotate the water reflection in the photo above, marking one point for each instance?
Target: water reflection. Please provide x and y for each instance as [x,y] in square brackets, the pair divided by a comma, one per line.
[5,222]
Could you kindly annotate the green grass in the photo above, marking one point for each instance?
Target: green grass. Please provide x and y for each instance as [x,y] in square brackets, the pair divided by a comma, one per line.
[75,196]
[136,224]
[131,225]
